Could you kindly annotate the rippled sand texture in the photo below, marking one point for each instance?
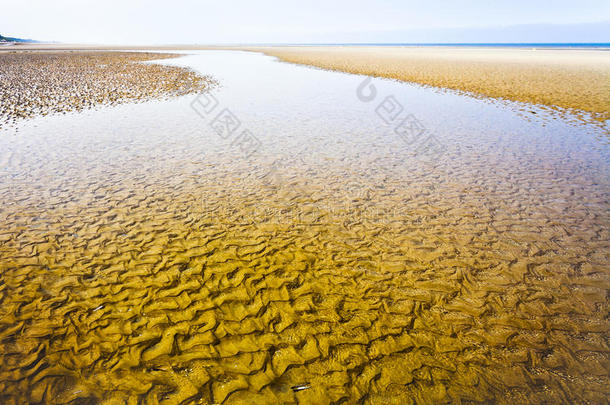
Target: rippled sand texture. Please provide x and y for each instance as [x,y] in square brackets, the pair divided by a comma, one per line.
[33,83]
[571,79]
[146,262]
[169,289]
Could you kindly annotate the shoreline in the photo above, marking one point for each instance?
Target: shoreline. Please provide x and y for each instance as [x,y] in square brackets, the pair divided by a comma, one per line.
[574,80]
[577,80]
[151,254]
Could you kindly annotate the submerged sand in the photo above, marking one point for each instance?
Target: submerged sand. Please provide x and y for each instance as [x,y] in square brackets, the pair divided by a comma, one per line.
[167,288]
[43,82]
[139,268]
[570,79]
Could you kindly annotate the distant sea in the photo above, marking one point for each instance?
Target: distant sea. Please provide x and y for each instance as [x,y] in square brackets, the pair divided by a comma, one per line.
[486,45]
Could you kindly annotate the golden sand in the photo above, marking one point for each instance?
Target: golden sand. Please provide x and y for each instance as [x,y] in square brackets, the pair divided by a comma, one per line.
[570,79]
[162,277]
[39,83]
[177,289]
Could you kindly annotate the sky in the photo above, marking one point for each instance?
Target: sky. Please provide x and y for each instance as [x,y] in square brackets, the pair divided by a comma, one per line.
[314,21]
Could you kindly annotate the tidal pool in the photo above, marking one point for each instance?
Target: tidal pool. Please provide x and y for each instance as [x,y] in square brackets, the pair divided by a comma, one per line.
[296,236]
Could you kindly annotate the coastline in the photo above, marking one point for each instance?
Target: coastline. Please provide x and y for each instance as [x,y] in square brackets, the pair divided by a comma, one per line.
[147,256]
[573,79]
[569,79]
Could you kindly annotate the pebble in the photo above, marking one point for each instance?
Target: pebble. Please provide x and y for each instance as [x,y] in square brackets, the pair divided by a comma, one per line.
[40,82]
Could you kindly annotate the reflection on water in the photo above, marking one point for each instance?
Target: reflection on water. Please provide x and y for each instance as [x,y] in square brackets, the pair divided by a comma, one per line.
[146,258]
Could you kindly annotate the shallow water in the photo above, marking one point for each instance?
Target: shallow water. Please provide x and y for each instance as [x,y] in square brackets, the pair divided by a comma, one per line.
[145,257]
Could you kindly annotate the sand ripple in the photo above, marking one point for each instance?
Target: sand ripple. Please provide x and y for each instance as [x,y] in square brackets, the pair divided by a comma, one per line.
[143,261]
[162,292]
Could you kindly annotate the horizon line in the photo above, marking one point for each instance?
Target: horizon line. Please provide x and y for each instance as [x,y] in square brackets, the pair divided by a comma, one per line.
[35,42]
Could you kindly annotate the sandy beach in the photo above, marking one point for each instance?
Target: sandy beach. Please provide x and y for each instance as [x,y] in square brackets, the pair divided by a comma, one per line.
[40,82]
[571,79]
[147,257]
[566,78]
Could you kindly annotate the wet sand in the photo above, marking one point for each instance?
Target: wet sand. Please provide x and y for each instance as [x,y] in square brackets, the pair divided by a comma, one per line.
[570,79]
[576,80]
[143,259]
[44,82]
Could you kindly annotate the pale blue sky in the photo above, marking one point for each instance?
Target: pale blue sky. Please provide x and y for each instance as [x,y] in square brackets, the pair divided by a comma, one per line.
[290,21]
